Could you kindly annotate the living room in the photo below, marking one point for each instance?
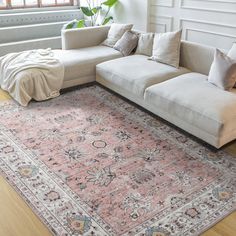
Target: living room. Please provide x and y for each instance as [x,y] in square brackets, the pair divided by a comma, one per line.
[117,117]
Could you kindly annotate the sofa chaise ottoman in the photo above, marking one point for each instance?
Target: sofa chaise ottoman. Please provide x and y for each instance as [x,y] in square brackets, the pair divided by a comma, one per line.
[81,52]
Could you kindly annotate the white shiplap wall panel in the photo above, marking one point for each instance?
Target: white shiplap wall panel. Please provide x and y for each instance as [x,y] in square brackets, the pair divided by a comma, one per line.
[210,22]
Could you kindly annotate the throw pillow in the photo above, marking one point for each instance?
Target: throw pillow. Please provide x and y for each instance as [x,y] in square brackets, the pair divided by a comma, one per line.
[127,43]
[223,71]
[145,44]
[115,33]
[166,48]
[232,52]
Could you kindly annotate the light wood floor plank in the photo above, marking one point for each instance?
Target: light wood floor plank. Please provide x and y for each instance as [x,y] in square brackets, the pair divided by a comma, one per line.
[4,95]
[16,218]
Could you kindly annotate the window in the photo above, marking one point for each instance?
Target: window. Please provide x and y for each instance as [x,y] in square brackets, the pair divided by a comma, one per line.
[14,4]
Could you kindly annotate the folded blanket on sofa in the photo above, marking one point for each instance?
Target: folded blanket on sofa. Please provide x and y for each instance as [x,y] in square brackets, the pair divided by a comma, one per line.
[34,74]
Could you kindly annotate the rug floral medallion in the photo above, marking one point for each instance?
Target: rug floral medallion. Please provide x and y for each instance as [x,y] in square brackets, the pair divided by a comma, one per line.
[90,163]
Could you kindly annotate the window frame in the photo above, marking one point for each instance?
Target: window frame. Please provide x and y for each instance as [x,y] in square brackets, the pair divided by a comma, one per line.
[38,6]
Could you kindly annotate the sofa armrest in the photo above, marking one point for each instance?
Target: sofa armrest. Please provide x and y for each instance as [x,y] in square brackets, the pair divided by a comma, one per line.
[83,37]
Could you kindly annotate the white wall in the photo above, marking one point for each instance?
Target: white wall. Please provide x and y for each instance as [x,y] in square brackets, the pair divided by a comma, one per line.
[132,11]
[211,22]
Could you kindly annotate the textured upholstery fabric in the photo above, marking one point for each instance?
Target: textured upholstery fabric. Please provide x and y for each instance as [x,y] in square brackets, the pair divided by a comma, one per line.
[196,57]
[197,103]
[166,48]
[136,73]
[82,62]
[127,43]
[116,31]
[84,37]
[145,44]
[223,71]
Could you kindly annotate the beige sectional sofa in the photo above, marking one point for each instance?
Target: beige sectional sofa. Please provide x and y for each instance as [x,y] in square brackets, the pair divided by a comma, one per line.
[181,96]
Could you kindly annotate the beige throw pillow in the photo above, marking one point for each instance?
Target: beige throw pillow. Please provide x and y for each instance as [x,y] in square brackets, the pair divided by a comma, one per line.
[166,48]
[115,33]
[223,71]
[145,44]
[127,43]
[232,52]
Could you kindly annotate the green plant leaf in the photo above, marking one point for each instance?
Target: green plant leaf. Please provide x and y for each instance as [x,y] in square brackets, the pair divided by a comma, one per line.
[81,23]
[110,3]
[95,10]
[70,26]
[87,11]
[107,19]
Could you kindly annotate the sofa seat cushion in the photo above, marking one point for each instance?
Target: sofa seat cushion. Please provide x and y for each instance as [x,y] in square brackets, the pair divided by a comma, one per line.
[192,99]
[82,62]
[135,73]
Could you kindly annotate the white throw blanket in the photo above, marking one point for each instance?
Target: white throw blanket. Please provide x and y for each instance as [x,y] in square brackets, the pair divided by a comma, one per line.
[34,74]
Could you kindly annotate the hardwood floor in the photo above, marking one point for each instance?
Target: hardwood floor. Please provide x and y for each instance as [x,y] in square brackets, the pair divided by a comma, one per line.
[17,219]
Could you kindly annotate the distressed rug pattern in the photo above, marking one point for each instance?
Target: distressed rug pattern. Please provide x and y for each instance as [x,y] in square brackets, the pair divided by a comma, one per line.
[89,163]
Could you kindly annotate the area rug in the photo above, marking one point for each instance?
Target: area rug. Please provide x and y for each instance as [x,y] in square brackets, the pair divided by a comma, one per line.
[90,163]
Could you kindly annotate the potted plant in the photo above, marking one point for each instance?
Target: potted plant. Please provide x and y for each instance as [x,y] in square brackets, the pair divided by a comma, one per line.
[98,14]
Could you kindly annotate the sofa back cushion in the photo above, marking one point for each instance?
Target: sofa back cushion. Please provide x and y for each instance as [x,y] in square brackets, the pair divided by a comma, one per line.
[223,71]
[196,57]
[84,37]
[166,48]
[115,33]
[127,43]
[145,44]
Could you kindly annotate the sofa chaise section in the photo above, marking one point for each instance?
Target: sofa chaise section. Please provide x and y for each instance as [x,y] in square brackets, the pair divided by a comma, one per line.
[81,52]
[80,64]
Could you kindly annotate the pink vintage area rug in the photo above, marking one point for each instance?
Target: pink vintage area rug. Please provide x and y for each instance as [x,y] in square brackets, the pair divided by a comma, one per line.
[89,163]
